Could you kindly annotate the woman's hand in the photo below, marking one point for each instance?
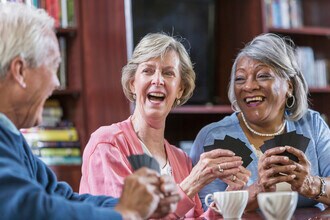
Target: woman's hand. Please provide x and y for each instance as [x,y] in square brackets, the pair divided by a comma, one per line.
[304,183]
[214,164]
[239,180]
[274,168]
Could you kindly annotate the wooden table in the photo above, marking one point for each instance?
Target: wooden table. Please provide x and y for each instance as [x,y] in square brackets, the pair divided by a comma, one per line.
[300,214]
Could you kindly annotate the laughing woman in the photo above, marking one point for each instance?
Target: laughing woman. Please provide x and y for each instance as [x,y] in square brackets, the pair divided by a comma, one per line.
[159,77]
[269,94]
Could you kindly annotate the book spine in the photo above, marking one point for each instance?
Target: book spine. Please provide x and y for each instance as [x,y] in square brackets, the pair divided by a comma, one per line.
[56,152]
[61,160]
[64,13]
[62,69]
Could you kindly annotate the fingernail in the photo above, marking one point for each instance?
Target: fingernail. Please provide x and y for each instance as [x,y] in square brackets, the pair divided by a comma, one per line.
[282,148]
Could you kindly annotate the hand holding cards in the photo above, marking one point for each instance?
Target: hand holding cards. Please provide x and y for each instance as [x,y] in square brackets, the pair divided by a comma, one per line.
[292,139]
[233,144]
[143,160]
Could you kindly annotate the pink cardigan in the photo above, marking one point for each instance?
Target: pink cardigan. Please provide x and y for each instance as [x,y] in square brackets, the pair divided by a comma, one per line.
[105,165]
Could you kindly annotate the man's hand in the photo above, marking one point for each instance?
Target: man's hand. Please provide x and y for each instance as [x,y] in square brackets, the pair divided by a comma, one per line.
[170,198]
[141,195]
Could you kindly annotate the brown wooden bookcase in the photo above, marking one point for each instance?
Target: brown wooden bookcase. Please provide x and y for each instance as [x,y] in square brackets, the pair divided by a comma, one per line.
[96,52]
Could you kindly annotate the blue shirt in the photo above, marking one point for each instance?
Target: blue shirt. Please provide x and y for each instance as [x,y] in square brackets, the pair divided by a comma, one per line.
[30,190]
[311,125]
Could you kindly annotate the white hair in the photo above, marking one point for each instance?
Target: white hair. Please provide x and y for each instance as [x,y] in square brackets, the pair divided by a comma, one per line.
[277,53]
[24,31]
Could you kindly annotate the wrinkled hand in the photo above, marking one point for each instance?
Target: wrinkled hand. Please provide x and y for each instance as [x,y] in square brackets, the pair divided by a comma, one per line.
[239,180]
[170,198]
[273,169]
[304,183]
[140,196]
[214,164]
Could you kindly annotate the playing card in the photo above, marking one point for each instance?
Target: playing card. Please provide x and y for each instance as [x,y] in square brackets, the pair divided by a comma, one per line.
[292,139]
[143,160]
[235,145]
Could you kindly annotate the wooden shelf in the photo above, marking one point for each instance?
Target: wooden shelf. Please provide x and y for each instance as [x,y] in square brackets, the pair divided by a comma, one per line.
[203,109]
[70,31]
[66,92]
[312,31]
[320,90]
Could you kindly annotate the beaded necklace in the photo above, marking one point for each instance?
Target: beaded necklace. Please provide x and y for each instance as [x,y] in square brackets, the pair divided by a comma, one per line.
[262,134]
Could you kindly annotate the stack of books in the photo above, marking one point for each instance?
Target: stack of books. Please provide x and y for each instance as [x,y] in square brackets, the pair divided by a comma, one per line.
[55,142]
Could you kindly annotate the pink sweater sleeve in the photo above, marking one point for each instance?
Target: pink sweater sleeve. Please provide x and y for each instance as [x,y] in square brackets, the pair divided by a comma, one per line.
[104,170]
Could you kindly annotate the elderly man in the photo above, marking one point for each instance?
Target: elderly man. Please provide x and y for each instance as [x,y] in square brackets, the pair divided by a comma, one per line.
[29,59]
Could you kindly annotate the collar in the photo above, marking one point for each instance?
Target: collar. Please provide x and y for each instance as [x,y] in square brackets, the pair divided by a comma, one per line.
[4,121]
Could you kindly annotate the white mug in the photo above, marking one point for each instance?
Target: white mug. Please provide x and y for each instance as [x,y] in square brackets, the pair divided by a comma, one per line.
[277,205]
[230,204]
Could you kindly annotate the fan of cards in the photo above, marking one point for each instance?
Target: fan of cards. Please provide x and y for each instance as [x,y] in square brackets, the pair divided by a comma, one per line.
[292,139]
[143,160]
[235,145]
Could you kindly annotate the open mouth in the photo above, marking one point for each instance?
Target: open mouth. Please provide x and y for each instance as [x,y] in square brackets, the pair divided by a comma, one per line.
[156,96]
[254,100]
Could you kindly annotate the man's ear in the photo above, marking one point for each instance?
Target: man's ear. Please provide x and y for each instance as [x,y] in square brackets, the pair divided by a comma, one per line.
[17,69]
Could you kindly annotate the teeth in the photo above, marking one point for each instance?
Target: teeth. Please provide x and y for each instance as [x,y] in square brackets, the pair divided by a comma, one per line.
[258,98]
[160,95]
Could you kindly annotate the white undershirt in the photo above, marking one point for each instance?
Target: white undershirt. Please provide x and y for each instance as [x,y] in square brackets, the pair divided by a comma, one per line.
[166,170]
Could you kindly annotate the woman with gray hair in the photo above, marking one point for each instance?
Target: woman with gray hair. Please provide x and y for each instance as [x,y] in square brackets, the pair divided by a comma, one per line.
[159,77]
[269,96]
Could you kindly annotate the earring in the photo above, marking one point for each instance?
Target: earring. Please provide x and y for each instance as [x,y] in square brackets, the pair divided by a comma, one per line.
[178,102]
[293,101]
[134,96]
[234,107]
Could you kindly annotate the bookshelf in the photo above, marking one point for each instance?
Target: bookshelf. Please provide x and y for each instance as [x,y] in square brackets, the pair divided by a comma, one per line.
[96,52]
[240,21]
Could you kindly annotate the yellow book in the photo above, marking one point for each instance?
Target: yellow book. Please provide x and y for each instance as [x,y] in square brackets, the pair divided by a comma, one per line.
[44,134]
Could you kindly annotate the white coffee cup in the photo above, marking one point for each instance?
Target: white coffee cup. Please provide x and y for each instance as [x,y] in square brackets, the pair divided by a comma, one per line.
[230,204]
[277,205]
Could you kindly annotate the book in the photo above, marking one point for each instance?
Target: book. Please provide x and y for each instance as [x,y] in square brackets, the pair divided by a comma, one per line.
[62,69]
[58,160]
[71,13]
[53,9]
[50,134]
[55,144]
[56,152]
[64,14]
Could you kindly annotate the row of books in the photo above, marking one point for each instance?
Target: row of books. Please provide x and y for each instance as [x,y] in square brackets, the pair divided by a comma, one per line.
[61,10]
[54,146]
[55,141]
[284,13]
[315,71]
